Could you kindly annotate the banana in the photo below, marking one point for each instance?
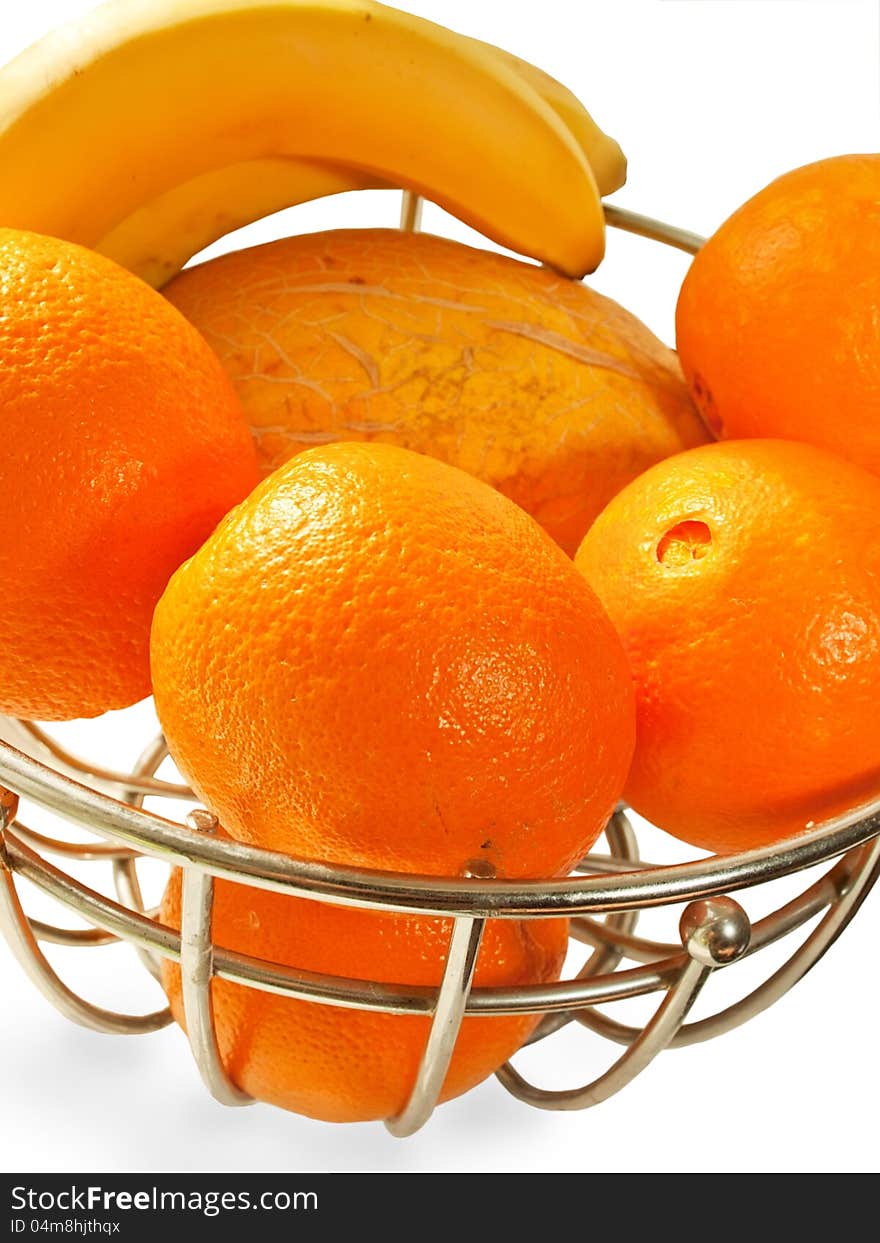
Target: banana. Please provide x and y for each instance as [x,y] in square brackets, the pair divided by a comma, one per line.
[158,239]
[604,154]
[161,236]
[144,98]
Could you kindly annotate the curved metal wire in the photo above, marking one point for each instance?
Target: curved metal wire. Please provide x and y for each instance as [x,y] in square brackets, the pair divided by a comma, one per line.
[449,1010]
[654,230]
[607,953]
[651,1040]
[772,928]
[845,899]
[20,937]
[37,742]
[85,852]
[71,937]
[103,912]
[125,874]
[196,974]
[177,845]
[714,934]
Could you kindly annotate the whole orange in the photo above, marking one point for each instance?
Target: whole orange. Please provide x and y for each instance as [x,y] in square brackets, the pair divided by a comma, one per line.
[778,321]
[347,1065]
[123,444]
[378,660]
[534,383]
[744,579]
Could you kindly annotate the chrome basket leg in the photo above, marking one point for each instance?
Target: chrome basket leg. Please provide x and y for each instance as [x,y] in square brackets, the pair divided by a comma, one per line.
[197,972]
[624,848]
[856,888]
[16,929]
[125,873]
[411,212]
[461,960]
[714,932]
[843,891]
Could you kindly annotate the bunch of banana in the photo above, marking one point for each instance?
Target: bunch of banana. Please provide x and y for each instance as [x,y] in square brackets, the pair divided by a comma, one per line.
[150,128]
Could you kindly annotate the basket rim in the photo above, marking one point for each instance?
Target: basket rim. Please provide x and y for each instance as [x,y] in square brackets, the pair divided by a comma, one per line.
[178,845]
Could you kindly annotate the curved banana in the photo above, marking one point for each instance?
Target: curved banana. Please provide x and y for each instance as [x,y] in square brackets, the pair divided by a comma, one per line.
[604,154]
[158,239]
[161,236]
[144,96]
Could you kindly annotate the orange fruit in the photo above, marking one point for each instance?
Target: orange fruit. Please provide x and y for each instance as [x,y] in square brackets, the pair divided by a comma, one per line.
[123,444]
[778,322]
[534,383]
[378,660]
[744,579]
[347,1065]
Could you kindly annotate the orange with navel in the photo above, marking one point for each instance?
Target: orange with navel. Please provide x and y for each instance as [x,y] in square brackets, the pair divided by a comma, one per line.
[534,383]
[744,580]
[123,445]
[378,660]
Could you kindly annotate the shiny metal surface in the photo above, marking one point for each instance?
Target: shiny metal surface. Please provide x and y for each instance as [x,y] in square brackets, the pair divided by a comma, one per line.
[651,1040]
[197,972]
[149,934]
[461,961]
[715,931]
[175,844]
[411,208]
[125,873]
[21,939]
[607,953]
[603,899]
[76,937]
[654,230]
[37,742]
[843,891]
[86,852]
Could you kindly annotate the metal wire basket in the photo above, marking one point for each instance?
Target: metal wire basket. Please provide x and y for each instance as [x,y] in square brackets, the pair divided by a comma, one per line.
[715,930]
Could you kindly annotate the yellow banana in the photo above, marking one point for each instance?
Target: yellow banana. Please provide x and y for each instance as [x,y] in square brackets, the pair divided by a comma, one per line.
[604,154]
[145,96]
[160,237]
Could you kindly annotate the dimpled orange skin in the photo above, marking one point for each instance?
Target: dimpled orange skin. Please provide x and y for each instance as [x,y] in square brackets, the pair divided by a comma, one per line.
[346,1065]
[778,321]
[378,660]
[536,384]
[123,445]
[744,579]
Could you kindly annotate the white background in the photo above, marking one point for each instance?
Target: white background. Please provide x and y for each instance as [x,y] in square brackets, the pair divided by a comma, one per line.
[710,99]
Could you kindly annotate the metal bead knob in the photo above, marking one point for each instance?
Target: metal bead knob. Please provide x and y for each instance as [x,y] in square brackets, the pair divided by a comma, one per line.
[715,931]
[202,821]
[478,869]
